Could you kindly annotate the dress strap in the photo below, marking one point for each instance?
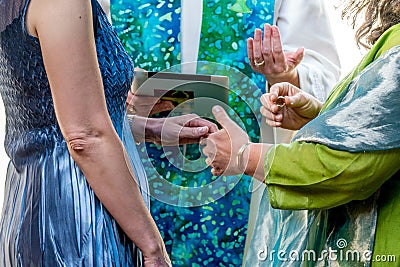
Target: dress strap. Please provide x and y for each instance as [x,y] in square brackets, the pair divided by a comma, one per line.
[94,15]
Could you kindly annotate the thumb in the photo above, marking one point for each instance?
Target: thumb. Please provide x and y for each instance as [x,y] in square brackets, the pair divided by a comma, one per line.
[280,89]
[296,101]
[221,117]
[294,58]
[299,55]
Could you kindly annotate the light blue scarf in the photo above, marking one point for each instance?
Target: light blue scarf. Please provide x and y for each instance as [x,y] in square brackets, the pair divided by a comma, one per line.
[366,116]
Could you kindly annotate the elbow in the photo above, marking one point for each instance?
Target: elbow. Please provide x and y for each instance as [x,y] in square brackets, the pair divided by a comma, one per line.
[79,143]
[83,141]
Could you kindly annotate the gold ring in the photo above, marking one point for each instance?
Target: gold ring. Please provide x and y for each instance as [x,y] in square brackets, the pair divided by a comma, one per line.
[280,101]
[131,109]
[259,64]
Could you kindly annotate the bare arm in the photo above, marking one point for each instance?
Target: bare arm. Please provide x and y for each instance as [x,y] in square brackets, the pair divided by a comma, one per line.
[64,29]
[253,159]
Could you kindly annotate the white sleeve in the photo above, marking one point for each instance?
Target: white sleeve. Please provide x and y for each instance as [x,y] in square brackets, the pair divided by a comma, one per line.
[305,23]
[191,21]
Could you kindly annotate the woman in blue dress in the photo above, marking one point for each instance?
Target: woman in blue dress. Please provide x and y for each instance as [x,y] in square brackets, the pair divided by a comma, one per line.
[72,196]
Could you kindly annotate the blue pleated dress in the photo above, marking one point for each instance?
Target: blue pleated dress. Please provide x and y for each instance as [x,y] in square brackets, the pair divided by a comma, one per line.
[51,216]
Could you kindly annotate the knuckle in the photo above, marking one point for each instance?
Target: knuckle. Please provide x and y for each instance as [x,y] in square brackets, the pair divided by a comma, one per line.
[280,69]
[266,52]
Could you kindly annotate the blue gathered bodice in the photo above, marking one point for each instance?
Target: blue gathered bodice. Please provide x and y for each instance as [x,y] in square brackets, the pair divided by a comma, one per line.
[51,216]
[26,92]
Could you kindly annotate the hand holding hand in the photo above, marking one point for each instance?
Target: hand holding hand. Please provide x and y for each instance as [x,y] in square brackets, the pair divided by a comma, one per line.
[267,57]
[185,129]
[146,105]
[297,107]
[222,147]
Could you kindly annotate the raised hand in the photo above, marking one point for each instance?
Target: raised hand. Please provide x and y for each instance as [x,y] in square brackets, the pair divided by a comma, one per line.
[267,57]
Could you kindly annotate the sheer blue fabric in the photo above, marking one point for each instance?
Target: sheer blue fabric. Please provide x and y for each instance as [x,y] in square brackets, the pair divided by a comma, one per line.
[351,125]
[9,11]
[51,217]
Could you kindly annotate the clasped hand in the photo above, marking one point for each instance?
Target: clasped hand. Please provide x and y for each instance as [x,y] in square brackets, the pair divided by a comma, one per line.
[298,109]
[185,129]
[171,131]
[222,147]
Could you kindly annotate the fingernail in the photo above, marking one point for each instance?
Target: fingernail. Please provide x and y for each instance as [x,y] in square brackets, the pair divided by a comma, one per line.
[203,130]
[217,108]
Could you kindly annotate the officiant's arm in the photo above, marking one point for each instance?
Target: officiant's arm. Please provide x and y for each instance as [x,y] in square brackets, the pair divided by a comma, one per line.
[312,176]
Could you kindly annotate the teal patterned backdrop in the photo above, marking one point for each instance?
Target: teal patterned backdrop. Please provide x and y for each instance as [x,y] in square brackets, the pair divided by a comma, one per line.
[150,31]
[212,234]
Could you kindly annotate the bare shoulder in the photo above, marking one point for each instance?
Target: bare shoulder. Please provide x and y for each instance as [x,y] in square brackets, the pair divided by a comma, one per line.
[65,32]
[45,16]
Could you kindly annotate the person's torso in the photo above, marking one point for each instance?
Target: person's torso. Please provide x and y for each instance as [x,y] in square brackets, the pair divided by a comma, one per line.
[31,124]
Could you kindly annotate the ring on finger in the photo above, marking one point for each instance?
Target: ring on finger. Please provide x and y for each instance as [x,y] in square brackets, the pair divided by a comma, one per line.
[259,63]
[280,102]
[131,109]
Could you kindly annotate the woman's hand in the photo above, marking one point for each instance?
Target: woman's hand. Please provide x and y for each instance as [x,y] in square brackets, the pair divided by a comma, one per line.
[222,147]
[185,129]
[289,107]
[267,57]
[161,260]
[171,131]
[146,105]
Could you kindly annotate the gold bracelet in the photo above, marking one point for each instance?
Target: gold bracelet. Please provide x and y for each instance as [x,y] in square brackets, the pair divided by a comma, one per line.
[239,156]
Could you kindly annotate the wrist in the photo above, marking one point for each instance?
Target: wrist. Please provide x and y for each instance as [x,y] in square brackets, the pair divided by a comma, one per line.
[242,157]
[290,77]
[253,159]
[136,124]
[144,129]
[153,130]
[153,249]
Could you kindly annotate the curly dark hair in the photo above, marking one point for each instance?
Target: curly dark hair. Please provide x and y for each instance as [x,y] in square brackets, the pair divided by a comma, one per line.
[379,15]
